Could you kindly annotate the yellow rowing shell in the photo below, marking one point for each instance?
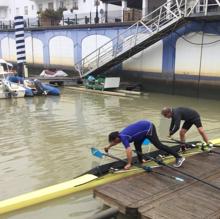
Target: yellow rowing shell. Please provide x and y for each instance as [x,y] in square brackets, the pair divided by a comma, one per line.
[82,183]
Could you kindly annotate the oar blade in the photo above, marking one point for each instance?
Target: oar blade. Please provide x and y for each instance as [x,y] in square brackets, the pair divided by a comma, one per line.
[179,179]
[146,142]
[95,152]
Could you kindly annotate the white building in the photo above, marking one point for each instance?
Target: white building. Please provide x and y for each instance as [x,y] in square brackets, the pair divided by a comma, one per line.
[80,8]
[11,8]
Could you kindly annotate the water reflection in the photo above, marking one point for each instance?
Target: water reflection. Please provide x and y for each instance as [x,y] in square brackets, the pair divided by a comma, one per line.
[46,140]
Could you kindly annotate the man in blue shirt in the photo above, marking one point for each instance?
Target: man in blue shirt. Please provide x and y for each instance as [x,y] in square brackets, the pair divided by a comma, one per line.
[137,133]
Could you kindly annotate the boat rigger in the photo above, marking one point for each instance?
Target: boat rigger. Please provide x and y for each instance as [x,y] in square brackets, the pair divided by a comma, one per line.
[95,177]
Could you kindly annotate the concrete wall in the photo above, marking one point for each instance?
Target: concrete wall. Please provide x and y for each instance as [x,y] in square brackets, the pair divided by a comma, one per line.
[58,47]
[192,50]
[188,56]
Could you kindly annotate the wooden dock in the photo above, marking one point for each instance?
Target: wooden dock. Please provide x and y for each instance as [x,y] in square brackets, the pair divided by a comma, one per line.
[149,195]
[121,93]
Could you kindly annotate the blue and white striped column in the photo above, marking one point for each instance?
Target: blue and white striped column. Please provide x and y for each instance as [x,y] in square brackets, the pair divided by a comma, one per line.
[20,44]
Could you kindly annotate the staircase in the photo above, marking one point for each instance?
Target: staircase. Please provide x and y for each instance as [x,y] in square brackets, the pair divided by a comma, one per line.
[143,34]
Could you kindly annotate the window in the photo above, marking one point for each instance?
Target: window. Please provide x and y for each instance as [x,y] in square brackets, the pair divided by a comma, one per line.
[25,10]
[40,7]
[50,5]
[61,4]
[17,11]
[75,4]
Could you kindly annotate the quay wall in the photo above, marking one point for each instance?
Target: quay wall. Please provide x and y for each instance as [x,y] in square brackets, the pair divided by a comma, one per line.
[187,58]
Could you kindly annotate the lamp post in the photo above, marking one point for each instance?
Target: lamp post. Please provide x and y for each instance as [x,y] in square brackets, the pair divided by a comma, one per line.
[97,13]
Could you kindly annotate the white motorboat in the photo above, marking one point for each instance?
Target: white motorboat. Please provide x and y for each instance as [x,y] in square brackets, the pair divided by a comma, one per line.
[12,89]
[9,89]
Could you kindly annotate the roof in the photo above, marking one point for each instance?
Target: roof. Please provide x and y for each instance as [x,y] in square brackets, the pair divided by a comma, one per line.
[2,61]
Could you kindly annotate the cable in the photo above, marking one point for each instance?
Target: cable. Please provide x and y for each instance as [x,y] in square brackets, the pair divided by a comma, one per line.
[198,44]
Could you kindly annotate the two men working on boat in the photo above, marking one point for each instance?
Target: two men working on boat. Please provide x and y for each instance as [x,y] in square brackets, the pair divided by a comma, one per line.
[190,117]
[137,133]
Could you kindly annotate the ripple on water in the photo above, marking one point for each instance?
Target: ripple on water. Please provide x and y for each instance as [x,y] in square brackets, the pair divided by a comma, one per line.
[47,140]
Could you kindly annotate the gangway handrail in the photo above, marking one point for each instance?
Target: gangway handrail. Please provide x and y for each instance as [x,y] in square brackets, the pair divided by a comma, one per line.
[154,22]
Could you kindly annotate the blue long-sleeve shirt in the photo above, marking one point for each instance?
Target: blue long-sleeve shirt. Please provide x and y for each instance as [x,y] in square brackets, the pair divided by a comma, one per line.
[135,132]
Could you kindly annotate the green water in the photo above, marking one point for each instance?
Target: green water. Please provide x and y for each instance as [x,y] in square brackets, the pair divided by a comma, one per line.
[47,140]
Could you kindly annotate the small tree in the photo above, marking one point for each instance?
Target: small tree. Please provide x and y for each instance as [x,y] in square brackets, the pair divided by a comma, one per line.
[51,16]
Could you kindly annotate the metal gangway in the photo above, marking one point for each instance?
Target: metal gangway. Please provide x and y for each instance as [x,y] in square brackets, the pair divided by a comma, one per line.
[144,33]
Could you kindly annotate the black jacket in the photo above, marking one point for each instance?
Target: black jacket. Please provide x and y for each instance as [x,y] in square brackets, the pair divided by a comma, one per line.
[182,113]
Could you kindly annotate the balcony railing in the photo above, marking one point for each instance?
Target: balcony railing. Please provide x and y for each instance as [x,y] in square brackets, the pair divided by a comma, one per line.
[131,15]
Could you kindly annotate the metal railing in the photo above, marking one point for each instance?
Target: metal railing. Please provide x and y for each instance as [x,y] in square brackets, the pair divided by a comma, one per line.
[156,21]
[78,19]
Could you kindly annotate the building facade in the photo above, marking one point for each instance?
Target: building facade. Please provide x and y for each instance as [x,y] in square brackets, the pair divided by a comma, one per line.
[79,11]
[11,8]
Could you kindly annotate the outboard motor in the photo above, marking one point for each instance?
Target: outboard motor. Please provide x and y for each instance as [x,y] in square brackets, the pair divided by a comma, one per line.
[39,87]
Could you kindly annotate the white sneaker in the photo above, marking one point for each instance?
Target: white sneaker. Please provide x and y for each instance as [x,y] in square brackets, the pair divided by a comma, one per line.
[179,162]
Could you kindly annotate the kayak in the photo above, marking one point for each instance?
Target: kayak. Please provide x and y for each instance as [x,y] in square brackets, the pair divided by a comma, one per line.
[95,177]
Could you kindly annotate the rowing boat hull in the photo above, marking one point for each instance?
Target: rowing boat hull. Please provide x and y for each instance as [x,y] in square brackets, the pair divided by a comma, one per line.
[81,183]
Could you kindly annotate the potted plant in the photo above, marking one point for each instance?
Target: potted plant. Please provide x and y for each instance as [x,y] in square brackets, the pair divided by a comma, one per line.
[50,17]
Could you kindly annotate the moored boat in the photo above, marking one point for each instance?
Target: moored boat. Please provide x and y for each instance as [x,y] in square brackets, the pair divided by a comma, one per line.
[34,86]
[13,89]
[97,176]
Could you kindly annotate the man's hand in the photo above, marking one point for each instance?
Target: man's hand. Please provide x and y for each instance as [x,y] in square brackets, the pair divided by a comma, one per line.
[145,161]
[126,167]
[106,149]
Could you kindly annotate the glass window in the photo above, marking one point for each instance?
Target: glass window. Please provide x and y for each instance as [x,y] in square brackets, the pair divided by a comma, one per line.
[17,11]
[75,4]
[50,5]
[25,10]
[61,4]
[40,6]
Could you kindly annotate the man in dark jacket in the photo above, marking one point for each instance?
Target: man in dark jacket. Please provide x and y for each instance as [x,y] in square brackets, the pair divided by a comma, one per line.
[137,133]
[189,116]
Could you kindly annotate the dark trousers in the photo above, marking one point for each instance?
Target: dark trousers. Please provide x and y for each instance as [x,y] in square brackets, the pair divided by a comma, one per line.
[156,142]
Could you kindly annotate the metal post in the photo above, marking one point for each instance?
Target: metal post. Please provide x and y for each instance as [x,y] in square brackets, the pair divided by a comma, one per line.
[98,57]
[106,12]
[124,8]
[97,12]
[144,7]
[76,19]
[185,12]
[206,7]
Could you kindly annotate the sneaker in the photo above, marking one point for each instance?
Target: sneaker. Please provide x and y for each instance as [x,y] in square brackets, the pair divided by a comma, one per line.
[179,161]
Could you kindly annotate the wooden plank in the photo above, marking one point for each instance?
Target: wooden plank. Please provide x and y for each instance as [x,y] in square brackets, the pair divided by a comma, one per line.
[83,89]
[194,201]
[152,196]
